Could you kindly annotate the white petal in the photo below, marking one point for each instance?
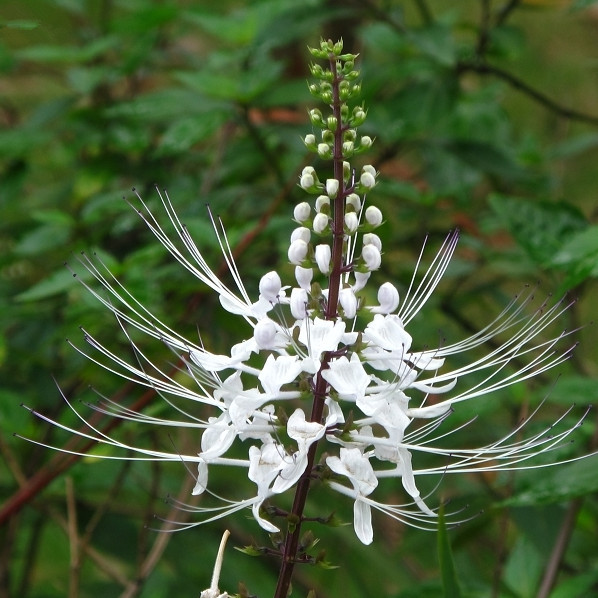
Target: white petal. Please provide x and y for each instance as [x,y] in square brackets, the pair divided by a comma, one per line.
[278,371]
[217,437]
[202,478]
[388,333]
[348,378]
[362,521]
[270,286]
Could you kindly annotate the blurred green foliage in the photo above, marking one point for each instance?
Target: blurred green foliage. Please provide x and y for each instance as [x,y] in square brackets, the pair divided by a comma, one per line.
[485,117]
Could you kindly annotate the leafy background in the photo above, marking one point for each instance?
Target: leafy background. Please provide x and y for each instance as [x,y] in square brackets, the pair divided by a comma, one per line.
[485,115]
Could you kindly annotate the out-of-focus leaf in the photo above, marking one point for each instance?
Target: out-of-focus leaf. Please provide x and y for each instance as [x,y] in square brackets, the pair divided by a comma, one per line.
[437,42]
[523,569]
[450,584]
[507,42]
[539,227]
[579,586]
[582,4]
[574,146]
[486,158]
[568,389]
[65,53]
[560,484]
[185,132]
[25,24]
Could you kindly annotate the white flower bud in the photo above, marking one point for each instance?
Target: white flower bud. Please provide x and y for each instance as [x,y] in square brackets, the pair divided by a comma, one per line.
[348,302]
[367,180]
[264,334]
[360,279]
[301,212]
[321,201]
[303,277]
[324,150]
[302,233]
[351,221]
[388,297]
[297,252]
[372,239]
[323,256]
[366,141]
[369,168]
[371,256]
[354,200]
[310,140]
[320,223]
[373,216]
[307,181]
[348,148]
[270,286]
[331,188]
[298,303]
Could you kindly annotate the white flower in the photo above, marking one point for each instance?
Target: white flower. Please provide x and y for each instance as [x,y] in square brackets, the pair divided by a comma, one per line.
[371,257]
[331,188]
[357,468]
[298,251]
[373,216]
[323,256]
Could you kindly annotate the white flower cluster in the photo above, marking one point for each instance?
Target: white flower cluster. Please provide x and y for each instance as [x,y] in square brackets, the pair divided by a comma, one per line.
[375,372]
[316,350]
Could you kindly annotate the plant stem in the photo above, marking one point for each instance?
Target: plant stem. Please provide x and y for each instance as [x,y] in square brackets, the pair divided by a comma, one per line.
[289,552]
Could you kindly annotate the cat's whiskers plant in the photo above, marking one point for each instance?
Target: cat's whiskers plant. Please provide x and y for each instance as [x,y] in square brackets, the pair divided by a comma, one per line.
[310,358]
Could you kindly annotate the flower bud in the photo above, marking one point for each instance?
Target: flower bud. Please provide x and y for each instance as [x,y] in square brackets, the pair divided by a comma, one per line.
[298,303]
[346,170]
[270,286]
[264,334]
[315,116]
[310,141]
[302,233]
[332,123]
[388,297]
[321,202]
[368,168]
[367,180]
[302,210]
[320,223]
[323,256]
[366,141]
[359,116]
[351,222]
[371,257]
[348,148]
[307,181]
[372,239]
[324,150]
[354,200]
[373,216]
[331,188]
[303,277]
[348,302]
[297,252]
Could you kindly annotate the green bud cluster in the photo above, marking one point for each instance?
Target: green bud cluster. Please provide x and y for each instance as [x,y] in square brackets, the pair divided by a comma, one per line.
[342,76]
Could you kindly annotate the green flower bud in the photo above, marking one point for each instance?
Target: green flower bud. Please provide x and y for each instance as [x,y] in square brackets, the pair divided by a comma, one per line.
[332,123]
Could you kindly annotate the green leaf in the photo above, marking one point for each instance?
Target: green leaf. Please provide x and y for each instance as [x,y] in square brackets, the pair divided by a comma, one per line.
[540,228]
[524,568]
[559,484]
[24,24]
[58,54]
[579,586]
[448,574]
[486,158]
[183,133]
[437,42]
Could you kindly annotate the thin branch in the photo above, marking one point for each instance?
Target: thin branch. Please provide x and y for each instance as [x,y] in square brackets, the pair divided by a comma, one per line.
[503,14]
[517,83]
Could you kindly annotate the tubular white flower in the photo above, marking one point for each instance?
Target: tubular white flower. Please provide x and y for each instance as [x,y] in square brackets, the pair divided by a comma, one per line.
[304,276]
[323,255]
[302,211]
[388,299]
[298,252]
[322,201]
[373,216]
[298,303]
[354,200]
[331,188]
[302,232]
[371,257]
[351,222]
[270,286]
[348,302]
[320,223]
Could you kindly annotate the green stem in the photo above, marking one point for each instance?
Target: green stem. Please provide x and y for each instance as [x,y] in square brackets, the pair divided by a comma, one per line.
[289,552]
